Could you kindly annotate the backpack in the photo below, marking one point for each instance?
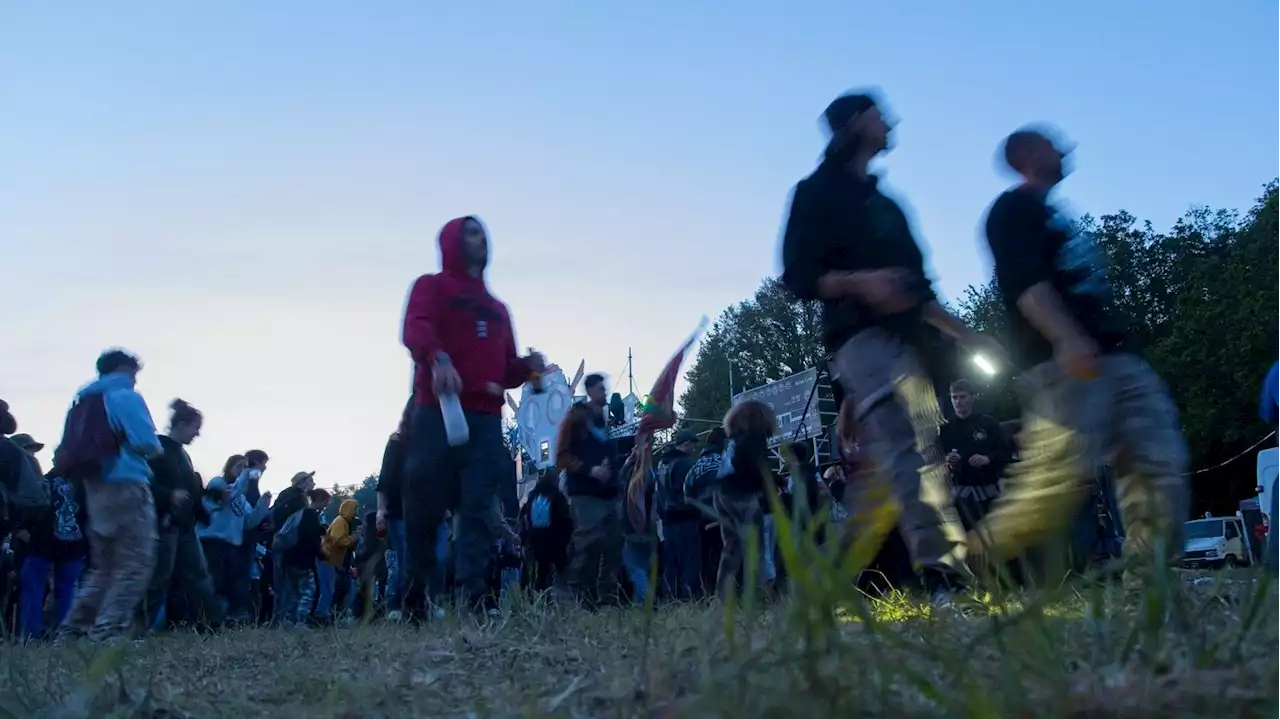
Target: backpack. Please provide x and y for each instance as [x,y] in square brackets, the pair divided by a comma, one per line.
[29,492]
[287,537]
[87,438]
[66,523]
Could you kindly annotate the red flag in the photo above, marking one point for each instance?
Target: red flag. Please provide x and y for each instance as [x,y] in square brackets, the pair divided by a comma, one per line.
[657,412]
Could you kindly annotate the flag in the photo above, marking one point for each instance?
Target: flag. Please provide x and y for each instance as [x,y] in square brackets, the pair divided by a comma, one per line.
[657,412]
[577,377]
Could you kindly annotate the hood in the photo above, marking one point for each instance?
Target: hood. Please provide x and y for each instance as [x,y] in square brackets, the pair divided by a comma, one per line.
[348,509]
[452,261]
[108,383]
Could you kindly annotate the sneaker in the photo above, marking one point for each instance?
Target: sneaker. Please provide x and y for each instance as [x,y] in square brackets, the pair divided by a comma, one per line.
[395,615]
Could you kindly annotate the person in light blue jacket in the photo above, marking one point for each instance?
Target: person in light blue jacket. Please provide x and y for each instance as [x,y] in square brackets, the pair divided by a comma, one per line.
[229,513]
[121,510]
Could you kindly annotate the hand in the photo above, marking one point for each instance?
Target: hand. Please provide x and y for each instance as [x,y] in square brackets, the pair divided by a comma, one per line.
[979,460]
[179,497]
[445,379]
[953,461]
[600,472]
[266,497]
[381,521]
[884,291]
[1078,357]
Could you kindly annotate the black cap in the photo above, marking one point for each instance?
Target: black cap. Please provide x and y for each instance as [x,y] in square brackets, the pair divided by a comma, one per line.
[843,110]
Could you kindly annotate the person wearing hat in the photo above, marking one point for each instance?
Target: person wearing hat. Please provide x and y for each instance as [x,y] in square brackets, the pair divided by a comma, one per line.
[681,521]
[28,444]
[291,501]
[850,246]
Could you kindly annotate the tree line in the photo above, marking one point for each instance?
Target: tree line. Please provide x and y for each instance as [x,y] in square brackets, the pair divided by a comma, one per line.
[1201,300]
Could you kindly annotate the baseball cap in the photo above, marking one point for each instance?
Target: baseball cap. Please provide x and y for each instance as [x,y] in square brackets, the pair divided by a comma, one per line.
[27,442]
[301,477]
[685,435]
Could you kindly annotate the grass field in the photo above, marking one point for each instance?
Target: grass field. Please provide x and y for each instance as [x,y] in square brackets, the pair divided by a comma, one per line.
[1196,645]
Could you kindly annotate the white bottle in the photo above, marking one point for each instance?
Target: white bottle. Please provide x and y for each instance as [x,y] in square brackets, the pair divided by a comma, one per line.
[455,422]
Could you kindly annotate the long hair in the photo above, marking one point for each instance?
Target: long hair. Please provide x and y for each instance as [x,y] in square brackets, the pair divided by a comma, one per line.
[231,462]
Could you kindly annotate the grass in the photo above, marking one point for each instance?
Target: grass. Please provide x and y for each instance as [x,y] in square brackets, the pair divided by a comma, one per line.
[1080,651]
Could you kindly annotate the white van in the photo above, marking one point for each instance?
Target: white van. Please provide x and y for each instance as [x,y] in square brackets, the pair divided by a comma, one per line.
[1215,542]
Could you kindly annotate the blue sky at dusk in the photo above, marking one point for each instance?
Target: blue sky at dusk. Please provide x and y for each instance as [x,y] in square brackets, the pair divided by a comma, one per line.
[242,192]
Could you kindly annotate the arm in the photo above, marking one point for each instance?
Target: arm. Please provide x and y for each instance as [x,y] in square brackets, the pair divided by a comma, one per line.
[128,412]
[950,325]
[517,370]
[803,249]
[1023,269]
[565,458]
[421,318]
[259,512]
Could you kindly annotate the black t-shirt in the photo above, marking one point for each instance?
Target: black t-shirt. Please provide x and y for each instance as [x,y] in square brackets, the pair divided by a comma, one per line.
[1031,243]
[976,434]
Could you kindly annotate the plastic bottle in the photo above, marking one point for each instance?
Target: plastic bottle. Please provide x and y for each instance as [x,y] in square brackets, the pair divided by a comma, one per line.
[455,421]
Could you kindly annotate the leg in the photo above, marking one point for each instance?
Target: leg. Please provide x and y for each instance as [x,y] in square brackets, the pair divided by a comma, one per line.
[429,473]
[479,474]
[33,579]
[325,580]
[101,536]
[898,416]
[610,552]
[66,577]
[735,516]
[134,558]
[588,540]
[192,575]
[769,542]
[395,564]
[689,556]
[1153,493]
[1062,440]
[158,588]
[304,582]
[635,561]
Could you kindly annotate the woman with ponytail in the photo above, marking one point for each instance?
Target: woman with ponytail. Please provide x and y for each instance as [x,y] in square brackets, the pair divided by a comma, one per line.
[179,559]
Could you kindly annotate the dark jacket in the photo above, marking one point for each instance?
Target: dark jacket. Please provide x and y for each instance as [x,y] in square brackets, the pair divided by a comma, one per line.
[702,478]
[744,464]
[976,434]
[391,476]
[66,516]
[582,443]
[842,223]
[304,554]
[172,471]
[553,538]
[290,501]
[671,503]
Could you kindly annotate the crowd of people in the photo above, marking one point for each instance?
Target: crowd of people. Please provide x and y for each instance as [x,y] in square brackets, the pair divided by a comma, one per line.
[122,536]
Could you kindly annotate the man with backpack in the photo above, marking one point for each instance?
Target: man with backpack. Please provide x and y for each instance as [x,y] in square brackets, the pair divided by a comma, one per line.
[108,438]
[681,521]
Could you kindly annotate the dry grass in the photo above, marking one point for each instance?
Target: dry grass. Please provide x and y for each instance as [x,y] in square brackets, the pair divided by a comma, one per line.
[1196,648]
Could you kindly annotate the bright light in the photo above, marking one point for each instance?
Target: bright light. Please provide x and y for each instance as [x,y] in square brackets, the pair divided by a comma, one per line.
[984,364]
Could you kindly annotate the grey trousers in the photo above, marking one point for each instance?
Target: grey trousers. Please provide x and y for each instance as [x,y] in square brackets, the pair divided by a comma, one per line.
[897,422]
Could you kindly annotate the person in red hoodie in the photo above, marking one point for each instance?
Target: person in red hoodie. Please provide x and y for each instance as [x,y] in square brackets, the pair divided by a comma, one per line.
[451,313]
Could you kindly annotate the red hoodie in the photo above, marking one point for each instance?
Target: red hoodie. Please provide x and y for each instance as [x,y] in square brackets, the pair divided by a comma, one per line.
[453,312]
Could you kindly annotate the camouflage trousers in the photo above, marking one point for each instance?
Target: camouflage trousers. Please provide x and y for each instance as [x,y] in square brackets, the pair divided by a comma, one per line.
[1124,417]
[737,514]
[596,554]
[122,554]
[897,413]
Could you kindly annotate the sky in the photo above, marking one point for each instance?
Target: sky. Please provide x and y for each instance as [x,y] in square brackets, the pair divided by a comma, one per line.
[242,192]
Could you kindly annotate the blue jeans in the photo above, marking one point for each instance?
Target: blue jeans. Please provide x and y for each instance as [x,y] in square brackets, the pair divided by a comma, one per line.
[34,580]
[327,579]
[396,568]
[635,562]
